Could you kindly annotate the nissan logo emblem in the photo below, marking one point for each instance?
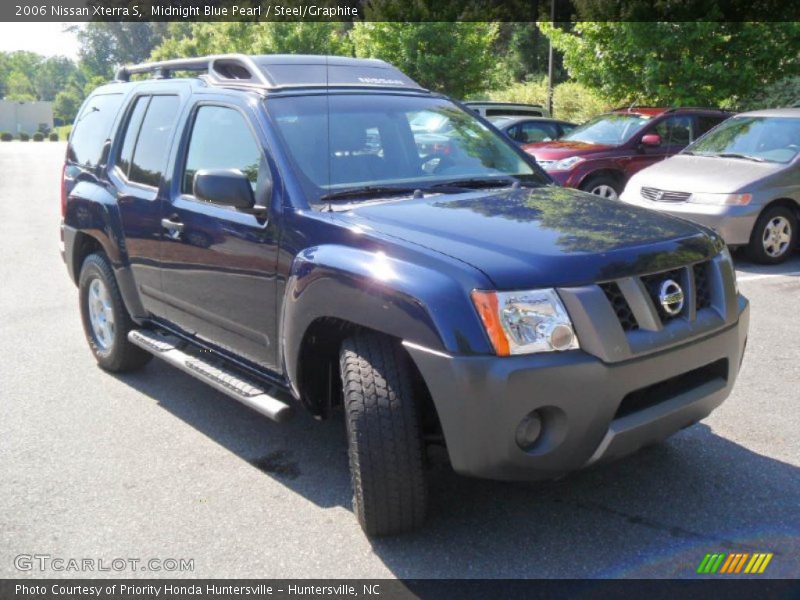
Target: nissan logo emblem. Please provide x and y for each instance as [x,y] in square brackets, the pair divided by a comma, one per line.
[671,297]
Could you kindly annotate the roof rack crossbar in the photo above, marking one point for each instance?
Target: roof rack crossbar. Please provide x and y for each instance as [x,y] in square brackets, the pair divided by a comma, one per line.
[208,64]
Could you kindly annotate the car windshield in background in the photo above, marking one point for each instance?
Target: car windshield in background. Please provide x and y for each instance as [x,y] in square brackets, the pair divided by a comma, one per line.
[770,139]
[611,129]
[346,143]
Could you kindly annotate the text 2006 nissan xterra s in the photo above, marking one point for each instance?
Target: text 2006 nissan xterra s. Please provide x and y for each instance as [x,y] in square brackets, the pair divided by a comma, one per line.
[288,230]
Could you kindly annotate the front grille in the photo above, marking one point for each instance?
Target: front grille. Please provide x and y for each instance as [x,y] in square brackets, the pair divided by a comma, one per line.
[620,306]
[653,284]
[701,272]
[656,195]
[702,285]
[670,388]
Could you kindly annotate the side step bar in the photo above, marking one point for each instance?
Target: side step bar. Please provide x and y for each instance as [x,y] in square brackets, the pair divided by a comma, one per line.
[228,382]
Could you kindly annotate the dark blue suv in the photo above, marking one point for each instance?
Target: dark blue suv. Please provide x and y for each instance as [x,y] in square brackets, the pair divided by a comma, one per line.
[277,227]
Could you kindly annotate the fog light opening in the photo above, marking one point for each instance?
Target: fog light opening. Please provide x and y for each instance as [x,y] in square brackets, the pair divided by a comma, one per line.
[561,337]
[529,430]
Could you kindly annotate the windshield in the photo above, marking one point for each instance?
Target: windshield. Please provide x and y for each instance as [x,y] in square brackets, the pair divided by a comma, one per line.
[340,143]
[613,129]
[771,139]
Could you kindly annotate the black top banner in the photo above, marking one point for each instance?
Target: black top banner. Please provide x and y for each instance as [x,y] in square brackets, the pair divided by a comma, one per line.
[399,10]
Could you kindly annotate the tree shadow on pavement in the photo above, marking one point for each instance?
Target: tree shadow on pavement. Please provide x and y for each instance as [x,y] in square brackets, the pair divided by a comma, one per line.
[654,514]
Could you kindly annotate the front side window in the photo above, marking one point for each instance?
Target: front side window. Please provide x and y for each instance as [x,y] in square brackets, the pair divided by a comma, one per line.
[221,139]
[92,128]
[675,131]
[770,139]
[153,142]
[613,129]
[340,142]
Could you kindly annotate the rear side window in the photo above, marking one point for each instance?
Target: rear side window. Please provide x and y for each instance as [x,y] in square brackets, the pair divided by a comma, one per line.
[705,124]
[92,128]
[221,139]
[131,133]
[153,141]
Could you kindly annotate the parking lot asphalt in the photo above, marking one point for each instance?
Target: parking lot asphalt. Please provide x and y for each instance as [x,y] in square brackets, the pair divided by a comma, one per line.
[157,465]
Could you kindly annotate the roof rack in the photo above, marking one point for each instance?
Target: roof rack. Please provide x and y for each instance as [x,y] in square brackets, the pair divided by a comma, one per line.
[224,68]
[275,72]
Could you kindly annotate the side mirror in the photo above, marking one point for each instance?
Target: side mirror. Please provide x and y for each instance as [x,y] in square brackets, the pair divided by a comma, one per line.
[651,139]
[226,187]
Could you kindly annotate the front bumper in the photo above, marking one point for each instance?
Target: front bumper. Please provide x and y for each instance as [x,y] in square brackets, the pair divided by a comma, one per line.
[481,400]
[733,223]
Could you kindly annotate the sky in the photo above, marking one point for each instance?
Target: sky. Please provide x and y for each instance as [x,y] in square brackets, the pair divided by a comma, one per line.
[48,39]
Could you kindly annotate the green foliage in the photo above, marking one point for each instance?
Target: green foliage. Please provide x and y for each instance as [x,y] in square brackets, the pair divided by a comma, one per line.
[104,45]
[19,87]
[38,137]
[6,137]
[51,76]
[455,58]
[780,94]
[677,63]
[24,137]
[198,39]
[53,137]
[571,101]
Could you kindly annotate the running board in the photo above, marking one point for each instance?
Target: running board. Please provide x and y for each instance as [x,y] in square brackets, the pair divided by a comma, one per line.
[228,382]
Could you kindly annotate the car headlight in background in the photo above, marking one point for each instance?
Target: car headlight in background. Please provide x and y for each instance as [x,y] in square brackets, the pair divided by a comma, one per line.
[726,257]
[525,322]
[565,164]
[721,199]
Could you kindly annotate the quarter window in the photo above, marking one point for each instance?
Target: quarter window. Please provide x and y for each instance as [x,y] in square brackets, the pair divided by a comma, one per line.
[222,139]
[152,145]
[131,133]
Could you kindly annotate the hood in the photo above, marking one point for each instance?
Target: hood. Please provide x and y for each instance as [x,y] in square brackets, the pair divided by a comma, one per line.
[542,237]
[694,174]
[564,149]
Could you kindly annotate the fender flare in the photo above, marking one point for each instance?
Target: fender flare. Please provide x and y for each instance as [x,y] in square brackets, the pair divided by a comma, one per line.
[369,289]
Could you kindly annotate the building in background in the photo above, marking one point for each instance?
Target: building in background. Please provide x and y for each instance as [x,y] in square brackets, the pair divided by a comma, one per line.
[25,117]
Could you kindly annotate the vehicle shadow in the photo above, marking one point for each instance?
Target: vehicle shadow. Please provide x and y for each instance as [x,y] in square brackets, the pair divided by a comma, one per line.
[655,513]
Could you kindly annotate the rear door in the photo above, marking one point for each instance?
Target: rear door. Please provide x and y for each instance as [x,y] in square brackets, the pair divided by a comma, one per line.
[220,262]
[138,173]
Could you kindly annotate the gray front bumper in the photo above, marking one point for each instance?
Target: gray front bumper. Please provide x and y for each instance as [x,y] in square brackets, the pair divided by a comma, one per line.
[481,400]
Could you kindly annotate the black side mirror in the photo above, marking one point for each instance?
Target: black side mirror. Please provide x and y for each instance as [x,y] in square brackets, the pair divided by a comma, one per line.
[226,187]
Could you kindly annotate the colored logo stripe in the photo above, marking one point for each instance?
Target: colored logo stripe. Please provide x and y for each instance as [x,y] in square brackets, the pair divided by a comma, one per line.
[734,563]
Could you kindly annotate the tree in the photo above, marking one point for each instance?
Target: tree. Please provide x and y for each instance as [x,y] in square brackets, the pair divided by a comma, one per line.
[455,58]
[66,104]
[105,45]
[678,63]
[19,87]
[51,76]
[199,39]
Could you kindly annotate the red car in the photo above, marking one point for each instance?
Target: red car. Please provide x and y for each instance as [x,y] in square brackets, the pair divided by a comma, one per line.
[602,154]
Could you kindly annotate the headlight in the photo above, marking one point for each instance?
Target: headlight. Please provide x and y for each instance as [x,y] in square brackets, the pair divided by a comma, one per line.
[525,322]
[721,199]
[726,257]
[565,164]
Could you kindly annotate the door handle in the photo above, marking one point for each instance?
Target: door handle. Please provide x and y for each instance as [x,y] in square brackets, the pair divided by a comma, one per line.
[172,225]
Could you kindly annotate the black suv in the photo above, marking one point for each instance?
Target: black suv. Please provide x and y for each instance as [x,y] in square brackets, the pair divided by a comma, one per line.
[277,228]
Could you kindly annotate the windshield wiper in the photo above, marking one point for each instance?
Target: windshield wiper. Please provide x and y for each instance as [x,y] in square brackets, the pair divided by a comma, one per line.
[737,155]
[368,191]
[476,182]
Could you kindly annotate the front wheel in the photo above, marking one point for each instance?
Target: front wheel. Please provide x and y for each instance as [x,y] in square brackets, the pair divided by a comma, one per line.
[106,322]
[774,236]
[603,186]
[384,440]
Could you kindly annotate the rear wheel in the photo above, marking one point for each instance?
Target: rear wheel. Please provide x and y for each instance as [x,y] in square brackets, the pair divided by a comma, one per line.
[774,236]
[603,186]
[384,439]
[106,321]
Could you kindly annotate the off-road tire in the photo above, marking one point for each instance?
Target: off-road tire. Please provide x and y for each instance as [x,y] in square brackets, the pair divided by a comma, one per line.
[755,249]
[120,355]
[385,445]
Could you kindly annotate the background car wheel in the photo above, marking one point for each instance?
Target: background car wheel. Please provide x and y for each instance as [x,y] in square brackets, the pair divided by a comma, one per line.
[384,439]
[106,321]
[603,186]
[774,236]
